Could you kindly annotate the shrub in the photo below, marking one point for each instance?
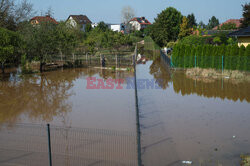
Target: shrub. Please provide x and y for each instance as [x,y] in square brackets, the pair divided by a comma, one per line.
[240,60]
[209,56]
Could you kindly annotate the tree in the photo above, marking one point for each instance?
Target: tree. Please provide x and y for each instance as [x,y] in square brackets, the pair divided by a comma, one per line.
[166,26]
[88,28]
[217,40]
[228,26]
[202,25]
[191,21]
[9,42]
[11,14]
[246,15]
[213,22]
[184,30]
[102,26]
[65,39]
[127,14]
[40,42]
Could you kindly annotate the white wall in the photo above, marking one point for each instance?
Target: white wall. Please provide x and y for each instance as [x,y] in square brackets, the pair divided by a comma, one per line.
[135,25]
[116,27]
[72,22]
[94,25]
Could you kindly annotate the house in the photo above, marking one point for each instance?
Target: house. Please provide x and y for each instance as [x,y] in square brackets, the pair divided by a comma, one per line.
[115,27]
[78,21]
[93,25]
[243,36]
[139,23]
[42,19]
[237,22]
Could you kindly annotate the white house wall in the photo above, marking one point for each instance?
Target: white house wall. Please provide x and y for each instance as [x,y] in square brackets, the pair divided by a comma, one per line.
[115,28]
[135,25]
[72,22]
[93,25]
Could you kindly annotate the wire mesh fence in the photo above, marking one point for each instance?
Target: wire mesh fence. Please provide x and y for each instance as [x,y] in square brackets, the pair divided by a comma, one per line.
[25,144]
[118,60]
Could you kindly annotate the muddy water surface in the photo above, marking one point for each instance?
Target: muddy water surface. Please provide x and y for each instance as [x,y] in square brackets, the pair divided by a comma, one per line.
[187,119]
[206,122]
[88,126]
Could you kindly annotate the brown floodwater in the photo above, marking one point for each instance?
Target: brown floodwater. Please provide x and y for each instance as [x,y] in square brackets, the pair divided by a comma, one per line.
[88,126]
[204,121]
[187,119]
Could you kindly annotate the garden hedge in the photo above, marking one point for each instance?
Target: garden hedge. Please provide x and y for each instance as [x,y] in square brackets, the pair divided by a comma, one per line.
[229,57]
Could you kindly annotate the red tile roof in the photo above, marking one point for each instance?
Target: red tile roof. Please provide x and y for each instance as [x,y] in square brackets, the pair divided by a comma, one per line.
[141,20]
[44,19]
[235,21]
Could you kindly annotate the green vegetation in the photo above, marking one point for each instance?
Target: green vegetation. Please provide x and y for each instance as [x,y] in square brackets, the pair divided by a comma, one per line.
[213,22]
[209,56]
[228,26]
[191,21]
[149,44]
[166,27]
[216,39]
[184,28]
[246,15]
[9,42]
[46,41]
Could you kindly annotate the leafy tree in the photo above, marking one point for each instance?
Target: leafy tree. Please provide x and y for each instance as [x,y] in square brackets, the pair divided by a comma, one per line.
[191,20]
[66,39]
[40,42]
[217,40]
[231,41]
[9,42]
[166,26]
[139,33]
[223,37]
[228,26]
[88,28]
[246,15]
[202,25]
[184,28]
[194,40]
[11,13]
[102,26]
[213,22]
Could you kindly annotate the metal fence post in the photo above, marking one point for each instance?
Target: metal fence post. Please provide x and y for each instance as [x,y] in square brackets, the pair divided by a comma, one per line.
[171,64]
[49,144]
[137,114]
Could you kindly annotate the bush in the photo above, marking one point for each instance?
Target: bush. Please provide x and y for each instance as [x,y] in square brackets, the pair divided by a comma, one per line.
[209,56]
[171,44]
[193,39]
[240,60]
[247,58]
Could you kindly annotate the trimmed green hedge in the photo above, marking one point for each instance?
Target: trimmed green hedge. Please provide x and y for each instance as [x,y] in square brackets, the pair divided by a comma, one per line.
[210,56]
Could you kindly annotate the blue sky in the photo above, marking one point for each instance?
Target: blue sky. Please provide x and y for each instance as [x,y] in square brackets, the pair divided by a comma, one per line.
[109,11]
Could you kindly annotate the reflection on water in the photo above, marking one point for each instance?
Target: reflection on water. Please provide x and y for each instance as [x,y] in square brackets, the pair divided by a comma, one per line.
[201,120]
[190,119]
[43,97]
[224,89]
[95,127]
